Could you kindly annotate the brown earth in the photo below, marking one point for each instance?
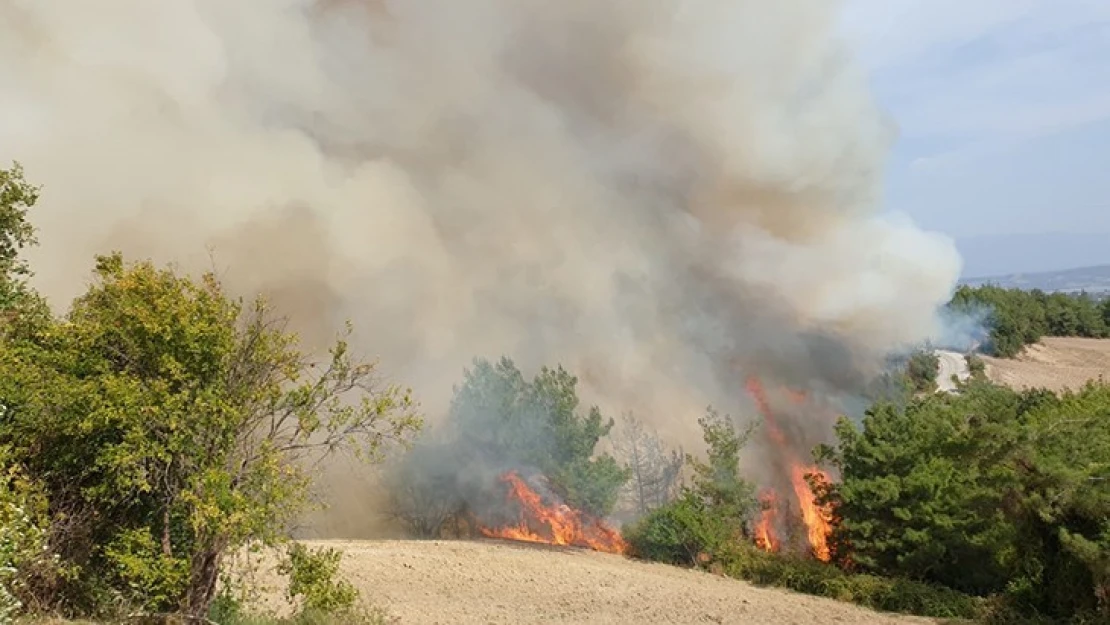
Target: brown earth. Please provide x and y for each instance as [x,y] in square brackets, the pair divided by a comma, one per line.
[1054,363]
[463,583]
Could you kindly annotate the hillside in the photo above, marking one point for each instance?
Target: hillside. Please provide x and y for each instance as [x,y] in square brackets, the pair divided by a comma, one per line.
[1055,363]
[465,583]
[1094,279]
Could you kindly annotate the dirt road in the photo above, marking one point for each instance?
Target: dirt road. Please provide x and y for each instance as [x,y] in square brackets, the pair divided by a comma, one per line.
[951,364]
[464,583]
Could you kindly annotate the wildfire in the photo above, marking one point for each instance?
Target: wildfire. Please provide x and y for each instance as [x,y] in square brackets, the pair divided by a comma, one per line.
[765,537]
[553,524]
[817,520]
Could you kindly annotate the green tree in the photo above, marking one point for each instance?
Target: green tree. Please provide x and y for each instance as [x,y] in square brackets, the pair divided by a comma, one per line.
[712,513]
[21,308]
[1063,514]
[990,491]
[498,414]
[170,423]
[922,370]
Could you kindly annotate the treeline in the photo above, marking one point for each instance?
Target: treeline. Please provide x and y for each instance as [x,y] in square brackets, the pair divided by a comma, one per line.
[1016,318]
[989,504]
[158,428]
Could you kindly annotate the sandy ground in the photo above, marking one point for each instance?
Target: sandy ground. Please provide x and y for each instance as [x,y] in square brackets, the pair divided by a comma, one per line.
[463,583]
[1054,363]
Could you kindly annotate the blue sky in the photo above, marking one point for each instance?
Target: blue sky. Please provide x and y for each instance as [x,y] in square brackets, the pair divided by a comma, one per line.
[1003,109]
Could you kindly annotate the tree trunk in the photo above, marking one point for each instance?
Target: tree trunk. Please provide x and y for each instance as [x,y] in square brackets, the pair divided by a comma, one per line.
[205,572]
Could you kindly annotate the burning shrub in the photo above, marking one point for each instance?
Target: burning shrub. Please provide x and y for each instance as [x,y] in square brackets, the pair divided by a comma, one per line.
[499,424]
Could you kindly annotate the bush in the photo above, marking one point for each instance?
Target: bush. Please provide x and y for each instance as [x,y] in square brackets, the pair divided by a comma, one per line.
[23,541]
[744,561]
[320,596]
[922,370]
[678,532]
[313,580]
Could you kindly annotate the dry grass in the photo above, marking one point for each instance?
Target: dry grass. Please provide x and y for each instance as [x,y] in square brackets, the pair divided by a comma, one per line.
[1054,363]
[492,582]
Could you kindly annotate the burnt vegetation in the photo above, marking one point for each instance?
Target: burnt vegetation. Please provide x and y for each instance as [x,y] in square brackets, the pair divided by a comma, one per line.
[161,425]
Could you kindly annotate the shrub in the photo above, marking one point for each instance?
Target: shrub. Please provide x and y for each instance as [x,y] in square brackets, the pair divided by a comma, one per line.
[313,580]
[679,532]
[23,540]
[922,370]
[744,561]
[315,589]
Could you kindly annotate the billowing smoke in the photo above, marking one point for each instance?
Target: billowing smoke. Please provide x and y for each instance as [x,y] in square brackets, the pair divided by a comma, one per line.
[662,195]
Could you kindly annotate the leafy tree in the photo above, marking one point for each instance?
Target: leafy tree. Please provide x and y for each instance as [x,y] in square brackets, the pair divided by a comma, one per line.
[170,423]
[21,308]
[654,470]
[718,481]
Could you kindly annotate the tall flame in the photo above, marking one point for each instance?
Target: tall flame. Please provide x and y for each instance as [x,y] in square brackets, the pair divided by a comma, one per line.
[816,519]
[555,524]
[764,529]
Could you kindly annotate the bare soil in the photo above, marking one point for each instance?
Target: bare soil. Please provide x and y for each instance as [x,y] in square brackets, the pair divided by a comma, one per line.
[464,583]
[1054,363]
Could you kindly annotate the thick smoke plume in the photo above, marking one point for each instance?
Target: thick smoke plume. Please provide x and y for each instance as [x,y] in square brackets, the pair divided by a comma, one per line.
[662,195]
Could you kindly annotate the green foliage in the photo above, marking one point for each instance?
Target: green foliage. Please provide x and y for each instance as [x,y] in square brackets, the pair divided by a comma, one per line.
[22,310]
[24,551]
[499,414]
[17,197]
[710,514]
[312,580]
[922,370]
[680,531]
[719,482]
[315,590]
[976,367]
[168,423]
[1017,318]
[990,491]
[907,507]
[744,561]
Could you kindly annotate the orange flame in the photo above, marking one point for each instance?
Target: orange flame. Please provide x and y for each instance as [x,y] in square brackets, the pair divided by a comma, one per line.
[764,529]
[816,519]
[557,524]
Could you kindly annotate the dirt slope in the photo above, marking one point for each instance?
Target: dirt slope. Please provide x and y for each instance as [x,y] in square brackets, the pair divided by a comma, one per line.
[1055,363]
[456,582]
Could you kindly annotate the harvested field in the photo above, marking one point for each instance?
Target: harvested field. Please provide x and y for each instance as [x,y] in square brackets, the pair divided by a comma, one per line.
[456,582]
[1054,363]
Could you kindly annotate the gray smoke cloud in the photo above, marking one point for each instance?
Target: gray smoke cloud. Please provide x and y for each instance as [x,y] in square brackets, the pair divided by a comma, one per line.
[662,195]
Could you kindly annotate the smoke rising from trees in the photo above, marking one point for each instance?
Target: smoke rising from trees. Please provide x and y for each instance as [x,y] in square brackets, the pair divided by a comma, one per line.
[662,196]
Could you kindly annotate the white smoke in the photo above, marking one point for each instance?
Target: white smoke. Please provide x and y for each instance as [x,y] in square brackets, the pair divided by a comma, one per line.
[661,195]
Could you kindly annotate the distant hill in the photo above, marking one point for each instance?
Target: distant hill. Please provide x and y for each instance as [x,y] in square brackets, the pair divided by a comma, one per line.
[1006,254]
[1094,279]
